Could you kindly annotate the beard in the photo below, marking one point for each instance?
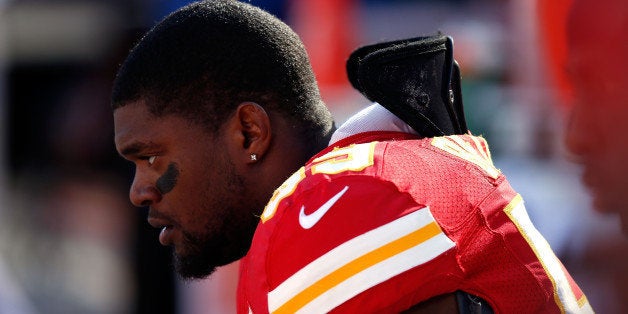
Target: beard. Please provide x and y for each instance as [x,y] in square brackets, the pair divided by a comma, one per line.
[203,256]
[227,234]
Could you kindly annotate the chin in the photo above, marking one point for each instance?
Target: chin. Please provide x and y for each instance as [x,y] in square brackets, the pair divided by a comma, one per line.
[605,199]
[198,260]
[191,267]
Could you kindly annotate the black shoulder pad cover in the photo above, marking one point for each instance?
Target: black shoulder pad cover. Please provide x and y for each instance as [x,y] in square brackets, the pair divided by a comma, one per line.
[412,78]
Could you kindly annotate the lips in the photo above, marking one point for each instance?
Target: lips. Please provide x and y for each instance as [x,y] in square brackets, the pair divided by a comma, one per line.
[588,179]
[167,228]
[600,191]
[165,236]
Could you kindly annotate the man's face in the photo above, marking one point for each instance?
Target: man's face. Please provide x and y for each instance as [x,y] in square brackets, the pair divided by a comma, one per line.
[185,176]
[598,129]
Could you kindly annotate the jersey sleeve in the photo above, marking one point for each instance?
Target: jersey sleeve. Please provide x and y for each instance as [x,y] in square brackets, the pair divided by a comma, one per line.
[338,238]
[369,235]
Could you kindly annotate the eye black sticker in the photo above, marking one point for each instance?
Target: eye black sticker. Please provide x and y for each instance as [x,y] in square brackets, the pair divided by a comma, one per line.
[168,180]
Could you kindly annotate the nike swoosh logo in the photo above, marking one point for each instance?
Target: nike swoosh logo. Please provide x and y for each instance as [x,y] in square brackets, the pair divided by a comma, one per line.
[308,221]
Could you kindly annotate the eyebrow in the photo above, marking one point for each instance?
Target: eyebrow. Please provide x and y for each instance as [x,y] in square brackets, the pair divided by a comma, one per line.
[135,148]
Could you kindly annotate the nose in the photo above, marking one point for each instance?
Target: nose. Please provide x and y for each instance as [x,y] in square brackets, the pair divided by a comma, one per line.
[143,191]
[580,132]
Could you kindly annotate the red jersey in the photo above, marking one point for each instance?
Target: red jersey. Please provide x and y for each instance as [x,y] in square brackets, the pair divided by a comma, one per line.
[381,221]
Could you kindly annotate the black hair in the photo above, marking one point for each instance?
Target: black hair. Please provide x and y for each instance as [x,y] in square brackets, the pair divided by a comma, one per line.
[204,59]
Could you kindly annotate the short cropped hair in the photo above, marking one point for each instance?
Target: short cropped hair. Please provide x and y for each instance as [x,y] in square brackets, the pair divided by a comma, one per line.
[204,59]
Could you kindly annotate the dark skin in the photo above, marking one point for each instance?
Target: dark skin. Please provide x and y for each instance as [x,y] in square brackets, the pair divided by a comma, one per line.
[441,304]
[195,184]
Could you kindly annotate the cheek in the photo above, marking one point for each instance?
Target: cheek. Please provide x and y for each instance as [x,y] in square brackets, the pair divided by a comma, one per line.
[185,195]
[208,191]
[612,147]
[612,121]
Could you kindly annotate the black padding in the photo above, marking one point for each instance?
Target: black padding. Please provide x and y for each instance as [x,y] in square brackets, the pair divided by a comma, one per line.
[471,304]
[411,78]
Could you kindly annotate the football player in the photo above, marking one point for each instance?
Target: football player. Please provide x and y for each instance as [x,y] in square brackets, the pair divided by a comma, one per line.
[217,105]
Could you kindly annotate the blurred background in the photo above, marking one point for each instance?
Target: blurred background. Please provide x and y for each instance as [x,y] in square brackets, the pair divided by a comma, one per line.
[71,243]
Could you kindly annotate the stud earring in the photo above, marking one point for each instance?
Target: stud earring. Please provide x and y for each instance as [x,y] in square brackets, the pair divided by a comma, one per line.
[253,157]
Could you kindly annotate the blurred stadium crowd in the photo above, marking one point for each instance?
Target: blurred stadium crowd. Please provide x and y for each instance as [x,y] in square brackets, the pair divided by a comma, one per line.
[70,242]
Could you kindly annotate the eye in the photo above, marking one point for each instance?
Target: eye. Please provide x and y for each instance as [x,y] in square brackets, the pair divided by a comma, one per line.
[151,160]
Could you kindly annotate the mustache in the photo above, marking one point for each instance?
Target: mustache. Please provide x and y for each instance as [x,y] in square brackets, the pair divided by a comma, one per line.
[156,215]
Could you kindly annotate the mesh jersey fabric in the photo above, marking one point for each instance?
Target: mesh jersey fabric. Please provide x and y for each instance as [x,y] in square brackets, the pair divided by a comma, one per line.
[381,221]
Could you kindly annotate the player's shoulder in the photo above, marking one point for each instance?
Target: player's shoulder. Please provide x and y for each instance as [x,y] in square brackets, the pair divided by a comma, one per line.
[443,156]
[375,173]
[333,235]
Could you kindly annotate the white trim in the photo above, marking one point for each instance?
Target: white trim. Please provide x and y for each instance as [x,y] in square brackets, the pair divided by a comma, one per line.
[355,248]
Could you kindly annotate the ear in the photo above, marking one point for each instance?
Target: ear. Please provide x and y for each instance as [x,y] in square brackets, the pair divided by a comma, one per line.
[253,125]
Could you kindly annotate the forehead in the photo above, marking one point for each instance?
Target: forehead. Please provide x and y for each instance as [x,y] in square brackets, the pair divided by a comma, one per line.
[596,33]
[135,126]
[597,51]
